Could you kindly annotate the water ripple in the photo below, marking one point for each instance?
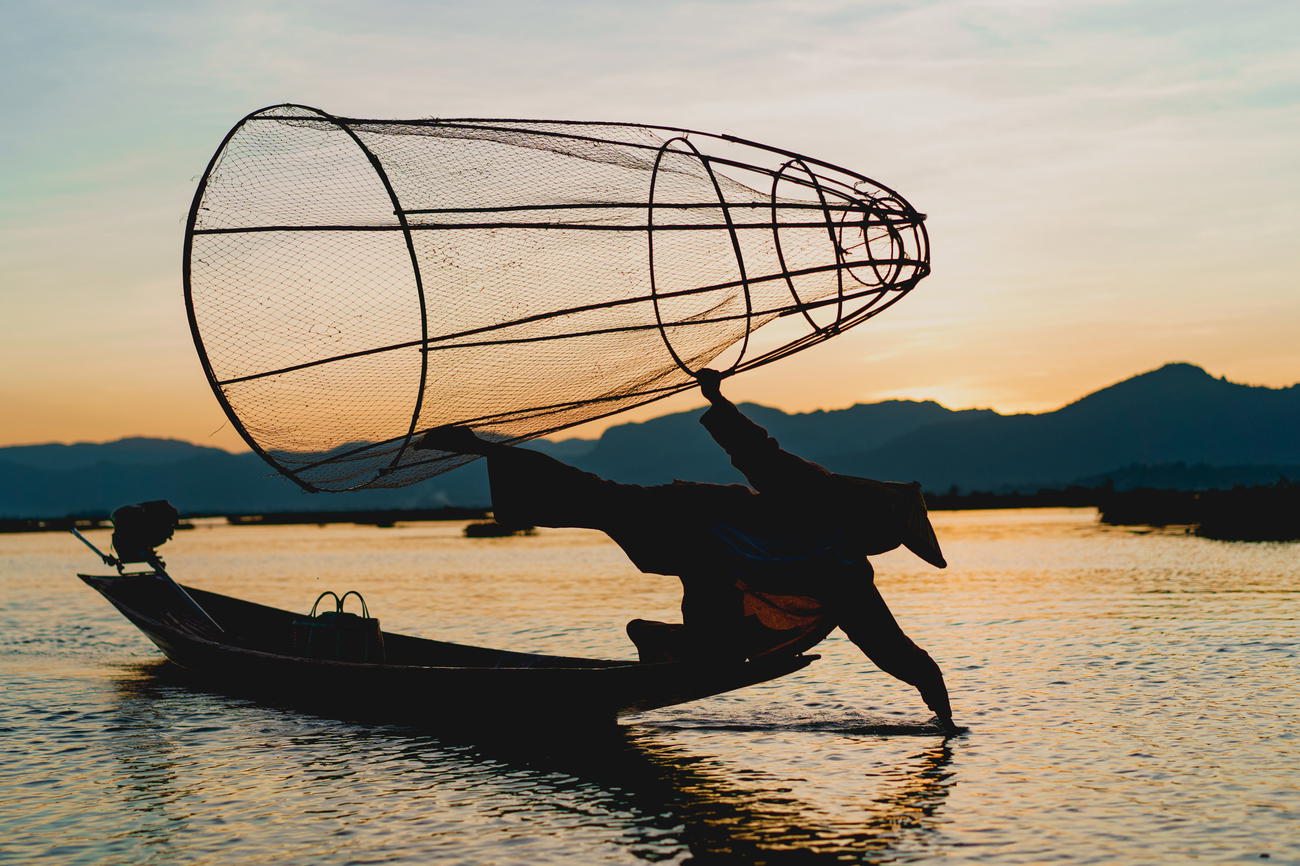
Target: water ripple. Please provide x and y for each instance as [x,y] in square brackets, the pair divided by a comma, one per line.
[1131,699]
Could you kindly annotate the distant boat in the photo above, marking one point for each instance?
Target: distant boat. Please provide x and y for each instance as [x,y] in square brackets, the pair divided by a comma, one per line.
[419,680]
[492,529]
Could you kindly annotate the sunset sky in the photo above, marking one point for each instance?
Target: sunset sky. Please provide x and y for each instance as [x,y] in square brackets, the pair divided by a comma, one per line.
[1110,186]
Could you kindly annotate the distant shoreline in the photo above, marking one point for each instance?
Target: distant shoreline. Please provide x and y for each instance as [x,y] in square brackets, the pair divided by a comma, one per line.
[376,517]
[1262,513]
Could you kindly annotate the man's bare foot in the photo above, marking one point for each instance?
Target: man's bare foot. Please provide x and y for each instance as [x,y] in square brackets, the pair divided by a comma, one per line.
[454,438]
[947,726]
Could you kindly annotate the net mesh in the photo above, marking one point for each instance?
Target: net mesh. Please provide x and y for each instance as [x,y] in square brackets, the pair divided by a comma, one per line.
[353,283]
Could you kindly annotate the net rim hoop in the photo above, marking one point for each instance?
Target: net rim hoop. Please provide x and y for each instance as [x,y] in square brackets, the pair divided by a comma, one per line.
[731,233]
[780,248]
[188,290]
[400,213]
[188,286]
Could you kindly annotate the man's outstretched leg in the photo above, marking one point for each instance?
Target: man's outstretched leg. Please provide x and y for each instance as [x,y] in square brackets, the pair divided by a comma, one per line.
[530,488]
[870,624]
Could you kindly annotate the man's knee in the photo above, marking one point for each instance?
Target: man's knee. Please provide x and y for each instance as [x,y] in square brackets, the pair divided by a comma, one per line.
[671,642]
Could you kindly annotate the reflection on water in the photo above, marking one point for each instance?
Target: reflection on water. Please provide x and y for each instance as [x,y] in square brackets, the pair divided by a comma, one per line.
[626,787]
[1131,699]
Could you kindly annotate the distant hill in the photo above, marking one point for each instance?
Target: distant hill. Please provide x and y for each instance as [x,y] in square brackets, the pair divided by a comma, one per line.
[1178,413]
[134,451]
[86,478]
[677,446]
[1176,426]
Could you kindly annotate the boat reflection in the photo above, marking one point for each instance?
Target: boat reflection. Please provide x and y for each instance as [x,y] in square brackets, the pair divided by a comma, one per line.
[262,782]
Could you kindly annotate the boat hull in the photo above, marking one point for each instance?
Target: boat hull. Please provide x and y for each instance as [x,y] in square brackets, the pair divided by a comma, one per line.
[422,681]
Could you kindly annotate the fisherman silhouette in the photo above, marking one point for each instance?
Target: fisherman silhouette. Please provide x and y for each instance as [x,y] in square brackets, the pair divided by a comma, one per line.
[768,568]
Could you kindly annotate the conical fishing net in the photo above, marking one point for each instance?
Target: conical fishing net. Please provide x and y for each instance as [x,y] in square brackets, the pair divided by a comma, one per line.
[353,283]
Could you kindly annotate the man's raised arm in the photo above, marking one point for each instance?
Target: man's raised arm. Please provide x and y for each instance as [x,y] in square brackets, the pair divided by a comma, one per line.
[757,455]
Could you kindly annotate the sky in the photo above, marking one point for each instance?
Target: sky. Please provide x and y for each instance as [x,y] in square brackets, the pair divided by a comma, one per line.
[1110,185]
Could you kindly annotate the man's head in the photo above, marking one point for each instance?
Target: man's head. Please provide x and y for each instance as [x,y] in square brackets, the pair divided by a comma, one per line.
[896,514]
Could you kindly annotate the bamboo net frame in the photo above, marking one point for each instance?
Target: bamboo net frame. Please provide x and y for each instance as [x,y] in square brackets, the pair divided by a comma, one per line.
[354,282]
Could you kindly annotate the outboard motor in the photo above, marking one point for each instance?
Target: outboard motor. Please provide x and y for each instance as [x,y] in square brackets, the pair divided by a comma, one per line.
[139,529]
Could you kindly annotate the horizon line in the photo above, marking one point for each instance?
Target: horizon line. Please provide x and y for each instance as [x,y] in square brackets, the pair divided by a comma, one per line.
[552,438]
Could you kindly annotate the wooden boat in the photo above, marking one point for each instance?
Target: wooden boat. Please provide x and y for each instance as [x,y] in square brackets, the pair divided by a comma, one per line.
[420,680]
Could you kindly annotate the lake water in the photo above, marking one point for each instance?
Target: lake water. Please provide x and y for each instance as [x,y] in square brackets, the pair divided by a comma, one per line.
[1131,698]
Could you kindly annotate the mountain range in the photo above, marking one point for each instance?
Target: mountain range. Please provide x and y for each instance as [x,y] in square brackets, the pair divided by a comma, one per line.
[1176,426]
